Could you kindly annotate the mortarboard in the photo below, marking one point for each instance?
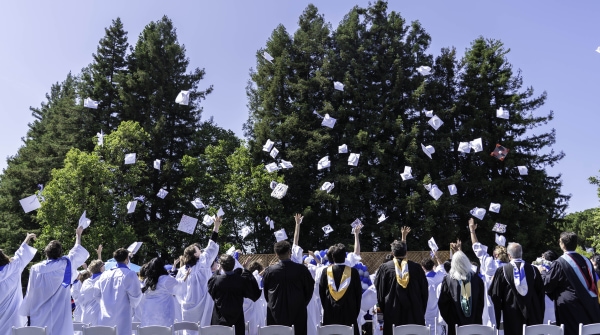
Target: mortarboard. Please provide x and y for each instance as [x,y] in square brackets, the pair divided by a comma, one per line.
[280,235]
[435,192]
[500,240]
[134,247]
[353,159]
[272,167]
[270,223]
[428,150]
[89,103]
[220,212]
[428,113]
[327,229]
[432,245]
[268,57]
[499,228]
[274,152]
[452,189]
[338,86]
[162,193]
[273,184]
[323,163]
[381,218]
[187,224]
[327,186]
[501,113]
[285,164]
[84,222]
[435,122]
[183,98]
[328,121]
[30,203]
[208,220]
[245,232]
[231,250]
[100,138]
[494,207]
[424,70]
[157,164]
[478,213]
[523,171]
[131,206]
[464,147]
[198,203]
[407,173]
[476,145]
[268,146]
[500,152]
[342,149]
[130,158]
[279,191]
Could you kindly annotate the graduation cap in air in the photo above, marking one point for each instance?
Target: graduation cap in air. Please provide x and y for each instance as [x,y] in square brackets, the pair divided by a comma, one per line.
[30,203]
[343,149]
[187,224]
[338,86]
[428,113]
[162,193]
[272,167]
[183,98]
[197,203]
[464,147]
[500,152]
[381,218]
[100,136]
[476,145]
[270,222]
[328,121]
[84,222]
[245,231]
[131,206]
[285,164]
[500,240]
[268,146]
[523,171]
[208,220]
[157,164]
[323,163]
[428,150]
[130,158]
[432,245]
[424,70]
[280,235]
[89,103]
[134,247]
[502,114]
[279,191]
[268,57]
[274,152]
[407,173]
[353,159]
[327,229]
[478,212]
[452,189]
[327,187]
[435,122]
[494,207]
[499,228]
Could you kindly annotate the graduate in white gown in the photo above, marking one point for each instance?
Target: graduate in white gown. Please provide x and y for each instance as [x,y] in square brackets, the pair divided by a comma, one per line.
[89,305]
[196,303]
[255,312]
[76,292]
[435,275]
[11,294]
[48,298]
[159,288]
[118,292]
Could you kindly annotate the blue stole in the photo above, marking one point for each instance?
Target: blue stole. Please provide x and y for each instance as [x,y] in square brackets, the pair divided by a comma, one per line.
[430,274]
[67,276]
[96,275]
[580,275]
[2,267]
[122,266]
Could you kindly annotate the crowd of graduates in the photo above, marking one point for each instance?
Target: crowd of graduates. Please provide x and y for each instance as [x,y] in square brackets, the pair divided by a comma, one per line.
[303,291]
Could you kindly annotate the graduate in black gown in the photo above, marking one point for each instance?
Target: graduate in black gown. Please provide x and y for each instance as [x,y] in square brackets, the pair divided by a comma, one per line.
[571,283]
[288,288]
[517,292]
[461,299]
[228,290]
[402,290]
[340,290]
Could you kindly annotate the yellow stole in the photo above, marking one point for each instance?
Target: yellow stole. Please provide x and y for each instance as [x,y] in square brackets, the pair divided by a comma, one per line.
[402,276]
[338,293]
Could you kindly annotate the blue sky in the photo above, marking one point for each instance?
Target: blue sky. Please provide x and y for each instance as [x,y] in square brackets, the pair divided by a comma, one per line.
[553,44]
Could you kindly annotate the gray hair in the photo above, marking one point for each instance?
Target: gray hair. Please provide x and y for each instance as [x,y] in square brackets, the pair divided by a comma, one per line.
[461,266]
[514,250]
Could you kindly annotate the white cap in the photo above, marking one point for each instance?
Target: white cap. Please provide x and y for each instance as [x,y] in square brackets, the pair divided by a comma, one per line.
[198,203]
[100,138]
[130,158]
[428,150]
[424,70]
[427,187]
[268,146]
[494,207]
[162,193]
[323,163]
[220,212]
[523,171]
[187,224]
[500,240]
[272,167]
[435,122]
[327,229]
[83,221]
[328,121]
[452,189]
[157,164]
[245,231]
[30,203]
[476,145]
[501,113]
[464,147]
[134,247]
[270,222]
[273,184]
[499,228]
[231,250]
[407,173]
[356,223]
[208,220]
[131,206]
[353,159]
[89,103]
[338,86]
[280,235]
[500,152]
[268,57]
[285,164]
[279,191]
[432,245]
[342,149]
[435,192]
[478,213]
[381,218]
[183,98]
[428,113]
[274,152]
[327,186]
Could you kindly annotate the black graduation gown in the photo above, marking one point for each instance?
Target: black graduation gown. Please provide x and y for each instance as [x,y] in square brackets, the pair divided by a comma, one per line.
[288,288]
[572,302]
[344,311]
[228,291]
[449,303]
[401,306]
[517,309]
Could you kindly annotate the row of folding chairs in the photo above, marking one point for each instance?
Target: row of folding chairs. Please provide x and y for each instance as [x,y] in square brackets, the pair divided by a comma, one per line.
[548,329]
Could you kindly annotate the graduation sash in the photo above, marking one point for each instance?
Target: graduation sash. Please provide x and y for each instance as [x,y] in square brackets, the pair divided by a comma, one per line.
[402,275]
[519,277]
[586,278]
[338,293]
[466,302]
[67,276]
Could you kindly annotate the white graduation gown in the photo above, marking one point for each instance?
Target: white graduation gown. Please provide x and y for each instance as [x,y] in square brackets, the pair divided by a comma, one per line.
[196,303]
[90,307]
[11,294]
[118,291]
[255,312]
[434,279]
[159,308]
[47,302]
[488,267]
[75,293]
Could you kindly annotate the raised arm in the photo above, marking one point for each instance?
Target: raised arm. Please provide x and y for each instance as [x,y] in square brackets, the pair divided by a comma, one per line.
[216,226]
[78,233]
[99,252]
[298,218]
[29,237]
[356,240]
[404,230]
[472,228]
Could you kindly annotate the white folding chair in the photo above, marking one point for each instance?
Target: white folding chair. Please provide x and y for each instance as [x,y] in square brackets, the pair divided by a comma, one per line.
[591,329]
[78,326]
[543,330]
[335,330]
[216,330]
[154,330]
[276,330]
[134,326]
[475,330]
[99,330]
[247,327]
[180,326]
[29,331]
[411,330]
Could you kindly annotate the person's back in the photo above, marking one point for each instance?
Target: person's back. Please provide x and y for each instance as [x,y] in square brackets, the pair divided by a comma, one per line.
[159,307]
